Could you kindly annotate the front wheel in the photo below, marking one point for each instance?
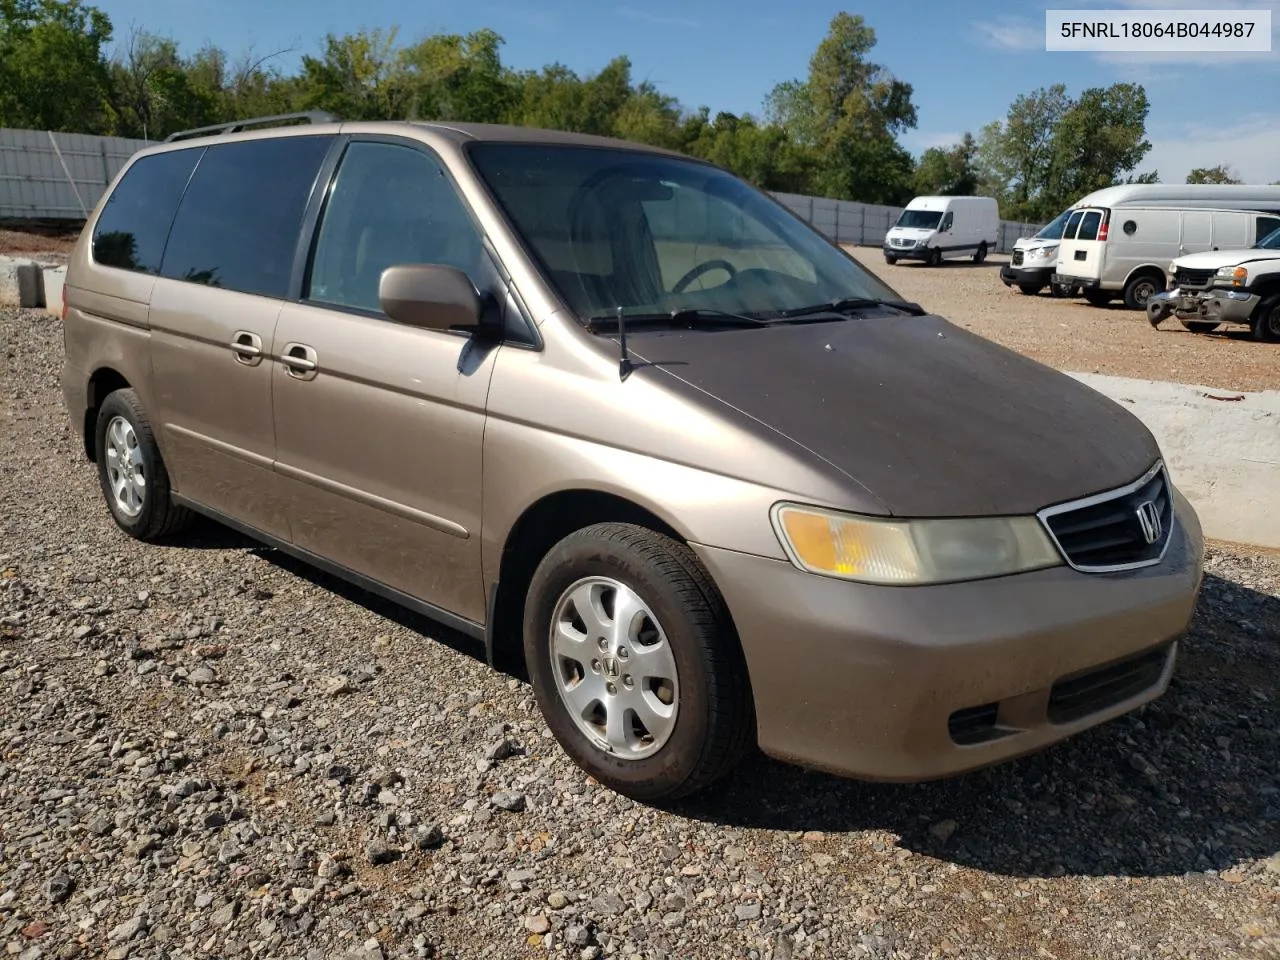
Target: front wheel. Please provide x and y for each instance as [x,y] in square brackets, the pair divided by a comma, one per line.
[890,259]
[635,663]
[935,257]
[131,471]
[1029,289]
[1063,290]
[1266,320]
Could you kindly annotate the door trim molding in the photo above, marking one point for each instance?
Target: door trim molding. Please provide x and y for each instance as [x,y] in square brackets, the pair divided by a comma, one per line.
[230,449]
[431,611]
[401,510]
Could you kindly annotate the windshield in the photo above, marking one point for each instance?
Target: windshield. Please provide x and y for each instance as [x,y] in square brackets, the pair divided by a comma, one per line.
[1053,229]
[647,233]
[1271,241]
[922,219]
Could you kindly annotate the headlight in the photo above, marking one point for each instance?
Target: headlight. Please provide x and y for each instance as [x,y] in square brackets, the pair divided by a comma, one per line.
[1043,253]
[1238,276]
[906,552]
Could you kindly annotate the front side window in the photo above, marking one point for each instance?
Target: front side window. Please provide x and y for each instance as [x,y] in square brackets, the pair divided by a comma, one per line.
[947,221]
[390,205]
[131,230]
[647,233]
[237,227]
[1268,233]
[920,219]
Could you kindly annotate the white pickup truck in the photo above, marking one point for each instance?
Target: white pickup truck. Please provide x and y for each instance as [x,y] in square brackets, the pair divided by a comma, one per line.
[1224,286]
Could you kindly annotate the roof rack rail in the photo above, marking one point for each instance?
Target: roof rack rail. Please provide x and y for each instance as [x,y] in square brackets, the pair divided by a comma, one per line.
[311,116]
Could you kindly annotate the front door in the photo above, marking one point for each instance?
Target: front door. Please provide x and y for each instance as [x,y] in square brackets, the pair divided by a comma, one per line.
[379,426]
[226,270]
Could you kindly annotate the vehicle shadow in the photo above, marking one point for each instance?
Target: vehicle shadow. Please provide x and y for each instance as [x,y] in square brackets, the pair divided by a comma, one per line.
[1189,783]
[987,264]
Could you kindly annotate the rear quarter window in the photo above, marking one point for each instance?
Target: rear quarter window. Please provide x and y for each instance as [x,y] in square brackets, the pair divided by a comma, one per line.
[238,224]
[131,230]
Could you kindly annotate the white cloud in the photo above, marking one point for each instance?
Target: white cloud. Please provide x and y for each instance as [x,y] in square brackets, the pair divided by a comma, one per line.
[632,13]
[1011,33]
[1250,146]
[918,141]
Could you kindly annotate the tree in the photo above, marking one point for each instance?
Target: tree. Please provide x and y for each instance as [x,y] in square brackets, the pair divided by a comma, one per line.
[356,76]
[1014,157]
[948,172]
[848,113]
[1218,174]
[154,93]
[52,72]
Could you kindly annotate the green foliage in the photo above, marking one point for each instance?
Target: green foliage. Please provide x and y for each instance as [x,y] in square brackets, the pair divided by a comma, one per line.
[1219,174]
[833,133]
[1051,149]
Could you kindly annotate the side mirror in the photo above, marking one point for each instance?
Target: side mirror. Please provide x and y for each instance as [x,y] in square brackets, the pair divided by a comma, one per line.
[429,295]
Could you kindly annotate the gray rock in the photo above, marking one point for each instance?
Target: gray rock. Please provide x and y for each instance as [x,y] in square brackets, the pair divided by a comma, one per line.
[59,887]
[128,930]
[509,800]
[429,837]
[747,911]
[577,935]
[608,904]
[944,829]
[202,675]
[379,853]
[225,915]
[538,923]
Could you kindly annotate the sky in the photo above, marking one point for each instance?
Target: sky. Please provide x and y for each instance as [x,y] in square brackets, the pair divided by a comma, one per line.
[966,61]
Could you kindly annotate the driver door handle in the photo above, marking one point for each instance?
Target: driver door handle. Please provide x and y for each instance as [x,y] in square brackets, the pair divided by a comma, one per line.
[300,361]
[247,348]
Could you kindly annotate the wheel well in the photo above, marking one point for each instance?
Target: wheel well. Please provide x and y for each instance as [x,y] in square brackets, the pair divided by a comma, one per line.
[104,382]
[540,527]
[1147,270]
[1268,287]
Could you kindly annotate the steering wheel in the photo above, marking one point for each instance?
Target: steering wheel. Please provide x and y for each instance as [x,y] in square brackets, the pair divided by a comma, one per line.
[705,267]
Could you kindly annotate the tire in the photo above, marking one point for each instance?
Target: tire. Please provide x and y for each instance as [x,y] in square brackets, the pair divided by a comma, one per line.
[935,257]
[1029,289]
[890,259]
[143,509]
[981,255]
[1140,289]
[1063,290]
[1266,320]
[712,723]
[1098,298]
[1200,326]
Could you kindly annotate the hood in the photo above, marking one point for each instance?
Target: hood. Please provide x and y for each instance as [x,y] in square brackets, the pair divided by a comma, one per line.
[913,231]
[1034,243]
[1214,259]
[929,418]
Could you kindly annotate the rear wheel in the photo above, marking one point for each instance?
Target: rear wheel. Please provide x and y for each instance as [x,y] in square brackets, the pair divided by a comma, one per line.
[1266,320]
[981,255]
[635,663]
[1200,326]
[131,471]
[1030,289]
[1099,298]
[1140,289]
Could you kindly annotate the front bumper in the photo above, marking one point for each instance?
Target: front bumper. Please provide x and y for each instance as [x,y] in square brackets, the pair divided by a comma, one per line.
[1025,276]
[906,253]
[1214,305]
[892,683]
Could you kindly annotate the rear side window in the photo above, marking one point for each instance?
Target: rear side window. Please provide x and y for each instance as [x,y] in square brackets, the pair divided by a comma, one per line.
[131,231]
[1265,226]
[237,227]
[1089,225]
[1069,232]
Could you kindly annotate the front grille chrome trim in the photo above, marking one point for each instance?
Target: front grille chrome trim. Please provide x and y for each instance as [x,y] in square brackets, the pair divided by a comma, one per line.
[1116,494]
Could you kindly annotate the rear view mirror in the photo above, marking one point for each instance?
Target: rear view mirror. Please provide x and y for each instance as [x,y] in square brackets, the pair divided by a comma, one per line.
[429,295]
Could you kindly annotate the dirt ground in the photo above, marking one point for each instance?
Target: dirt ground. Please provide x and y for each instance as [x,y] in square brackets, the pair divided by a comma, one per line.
[47,244]
[1072,335]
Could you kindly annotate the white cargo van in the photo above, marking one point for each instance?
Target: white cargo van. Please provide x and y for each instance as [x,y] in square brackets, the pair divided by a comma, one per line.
[936,228]
[1119,242]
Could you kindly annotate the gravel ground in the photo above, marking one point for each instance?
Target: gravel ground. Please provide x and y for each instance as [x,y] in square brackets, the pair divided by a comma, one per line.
[208,751]
[1072,335]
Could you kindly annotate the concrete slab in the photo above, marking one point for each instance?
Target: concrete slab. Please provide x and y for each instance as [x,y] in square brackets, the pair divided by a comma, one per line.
[51,283]
[1222,448]
[19,283]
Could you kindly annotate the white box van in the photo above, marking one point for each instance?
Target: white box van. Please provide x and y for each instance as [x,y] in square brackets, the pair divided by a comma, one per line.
[936,228]
[1119,243]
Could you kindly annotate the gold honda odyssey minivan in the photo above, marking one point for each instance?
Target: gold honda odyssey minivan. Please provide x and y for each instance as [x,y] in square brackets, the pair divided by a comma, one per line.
[637,428]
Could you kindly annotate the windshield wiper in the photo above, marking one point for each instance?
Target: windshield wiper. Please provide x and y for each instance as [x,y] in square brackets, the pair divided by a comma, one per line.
[852,305]
[688,317]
